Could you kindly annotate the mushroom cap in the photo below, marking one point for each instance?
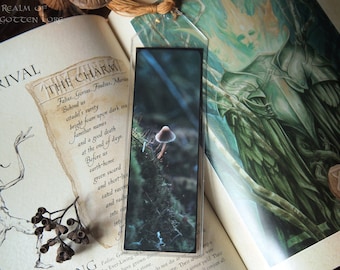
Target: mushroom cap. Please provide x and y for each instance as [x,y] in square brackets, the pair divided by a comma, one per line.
[90,4]
[165,135]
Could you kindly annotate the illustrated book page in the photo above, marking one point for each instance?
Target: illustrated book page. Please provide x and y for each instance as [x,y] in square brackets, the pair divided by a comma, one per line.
[272,125]
[64,118]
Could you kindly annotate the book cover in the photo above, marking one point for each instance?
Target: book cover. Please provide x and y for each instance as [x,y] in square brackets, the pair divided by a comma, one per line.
[273,116]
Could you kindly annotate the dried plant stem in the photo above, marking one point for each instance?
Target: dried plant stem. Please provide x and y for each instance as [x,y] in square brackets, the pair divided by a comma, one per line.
[57,4]
[135,8]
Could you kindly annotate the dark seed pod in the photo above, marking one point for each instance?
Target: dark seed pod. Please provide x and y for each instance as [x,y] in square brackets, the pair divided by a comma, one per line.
[77,241]
[61,249]
[85,240]
[52,241]
[64,253]
[39,230]
[45,221]
[70,221]
[53,224]
[44,248]
[72,235]
[69,252]
[48,227]
[67,256]
[36,219]
[42,210]
[59,258]
[61,229]
[81,234]
[53,221]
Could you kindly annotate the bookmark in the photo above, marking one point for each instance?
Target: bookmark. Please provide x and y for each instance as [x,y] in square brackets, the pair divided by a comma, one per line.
[164,195]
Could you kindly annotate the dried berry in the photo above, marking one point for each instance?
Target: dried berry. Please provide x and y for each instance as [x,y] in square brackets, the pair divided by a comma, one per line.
[39,230]
[45,221]
[85,240]
[70,221]
[52,242]
[64,253]
[59,258]
[72,235]
[49,227]
[61,229]
[36,219]
[81,234]
[44,248]
[42,210]
[48,221]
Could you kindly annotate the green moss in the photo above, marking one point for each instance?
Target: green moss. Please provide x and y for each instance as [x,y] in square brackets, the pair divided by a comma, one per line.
[156,219]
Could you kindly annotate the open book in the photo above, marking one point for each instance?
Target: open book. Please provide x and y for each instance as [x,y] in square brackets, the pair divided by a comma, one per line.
[48,163]
[64,116]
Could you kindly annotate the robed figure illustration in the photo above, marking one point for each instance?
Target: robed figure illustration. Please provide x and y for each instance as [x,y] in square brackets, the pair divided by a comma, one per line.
[283,109]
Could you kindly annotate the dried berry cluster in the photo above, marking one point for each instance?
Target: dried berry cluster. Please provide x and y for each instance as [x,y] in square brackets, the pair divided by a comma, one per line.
[72,231]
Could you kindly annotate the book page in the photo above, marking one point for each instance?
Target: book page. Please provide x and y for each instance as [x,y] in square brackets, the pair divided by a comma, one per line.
[268,115]
[63,109]
[84,108]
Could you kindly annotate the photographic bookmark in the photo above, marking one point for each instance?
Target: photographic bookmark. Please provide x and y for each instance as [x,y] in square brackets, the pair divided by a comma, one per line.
[164,206]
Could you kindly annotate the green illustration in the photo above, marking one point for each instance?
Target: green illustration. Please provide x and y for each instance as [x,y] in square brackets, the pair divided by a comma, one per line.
[273,107]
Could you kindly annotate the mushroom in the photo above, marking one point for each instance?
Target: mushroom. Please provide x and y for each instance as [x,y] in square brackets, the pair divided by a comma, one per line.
[164,136]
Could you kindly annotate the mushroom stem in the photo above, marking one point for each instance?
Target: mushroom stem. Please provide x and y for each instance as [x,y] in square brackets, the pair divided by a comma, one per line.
[161,153]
